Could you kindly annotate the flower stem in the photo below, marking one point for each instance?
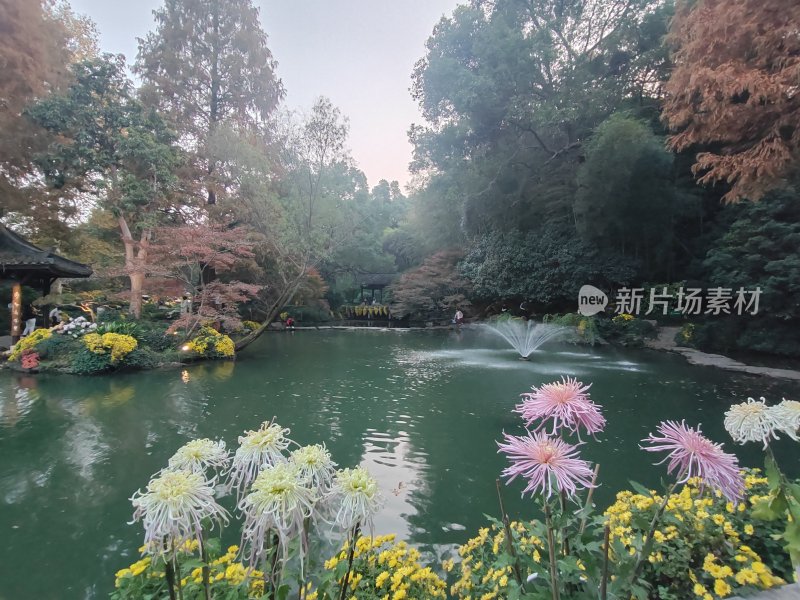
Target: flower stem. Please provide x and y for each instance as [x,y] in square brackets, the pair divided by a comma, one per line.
[604,580]
[169,574]
[564,534]
[267,574]
[589,495]
[509,539]
[206,570]
[554,586]
[351,551]
[648,540]
[276,580]
[177,572]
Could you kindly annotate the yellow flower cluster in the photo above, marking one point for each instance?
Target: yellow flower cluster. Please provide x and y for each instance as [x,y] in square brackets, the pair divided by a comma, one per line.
[701,525]
[136,569]
[210,342]
[225,346]
[478,577]
[28,343]
[250,325]
[118,344]
[223,571]
[387,570]
[378,310]
[623,317]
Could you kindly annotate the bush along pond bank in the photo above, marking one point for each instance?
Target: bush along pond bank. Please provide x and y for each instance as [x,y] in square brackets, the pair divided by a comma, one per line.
[306,528]
[81,347]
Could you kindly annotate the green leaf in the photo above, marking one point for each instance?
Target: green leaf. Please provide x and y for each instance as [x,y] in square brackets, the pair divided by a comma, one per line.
[778,504]
[794,490]
[762,510]
[639,488]
[772,472]
[282,592]
[792,536]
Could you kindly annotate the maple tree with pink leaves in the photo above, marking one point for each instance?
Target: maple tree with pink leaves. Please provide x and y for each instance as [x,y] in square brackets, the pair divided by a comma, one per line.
[205,259]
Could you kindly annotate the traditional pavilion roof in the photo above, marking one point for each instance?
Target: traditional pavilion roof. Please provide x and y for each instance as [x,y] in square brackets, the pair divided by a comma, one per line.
[375,280]
[18,257]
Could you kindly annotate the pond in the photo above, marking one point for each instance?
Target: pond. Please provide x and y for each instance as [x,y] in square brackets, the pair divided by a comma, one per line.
[422,410]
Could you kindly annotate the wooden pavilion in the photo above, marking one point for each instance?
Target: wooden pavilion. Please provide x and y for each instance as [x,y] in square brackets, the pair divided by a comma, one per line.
[22,263]
[375,282]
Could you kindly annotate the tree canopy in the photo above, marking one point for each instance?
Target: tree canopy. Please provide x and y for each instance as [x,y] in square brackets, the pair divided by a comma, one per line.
[732,97]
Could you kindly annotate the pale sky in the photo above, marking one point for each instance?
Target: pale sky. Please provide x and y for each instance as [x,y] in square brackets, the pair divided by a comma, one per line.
[359,53]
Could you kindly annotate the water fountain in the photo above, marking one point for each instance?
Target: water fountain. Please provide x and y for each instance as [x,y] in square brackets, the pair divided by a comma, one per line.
[526,336]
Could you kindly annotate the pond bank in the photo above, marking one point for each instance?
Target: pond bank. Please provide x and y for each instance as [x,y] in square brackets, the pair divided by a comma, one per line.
[787,592]
[666,341]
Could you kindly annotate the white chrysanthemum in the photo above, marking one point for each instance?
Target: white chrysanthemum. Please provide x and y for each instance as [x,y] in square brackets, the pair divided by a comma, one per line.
[198,455]
[314,463]
[278,503]
[358,496]
[752,421]
[261,448]
[787,413]
[173,508]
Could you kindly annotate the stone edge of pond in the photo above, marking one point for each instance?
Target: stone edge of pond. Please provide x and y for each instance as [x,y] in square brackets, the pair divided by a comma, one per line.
[666,341]
[785,592]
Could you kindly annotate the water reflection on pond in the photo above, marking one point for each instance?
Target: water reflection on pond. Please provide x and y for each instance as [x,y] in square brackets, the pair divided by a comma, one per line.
[421,410]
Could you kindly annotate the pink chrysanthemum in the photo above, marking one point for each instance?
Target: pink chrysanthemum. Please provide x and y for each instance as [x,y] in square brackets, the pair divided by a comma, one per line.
[567,402]
[691,454]
[547,464]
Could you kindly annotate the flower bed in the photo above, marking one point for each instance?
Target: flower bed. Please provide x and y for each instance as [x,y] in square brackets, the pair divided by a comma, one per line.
[717,530]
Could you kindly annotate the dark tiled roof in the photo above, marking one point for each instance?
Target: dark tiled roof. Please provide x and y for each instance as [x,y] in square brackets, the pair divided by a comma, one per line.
[18,255]
[375,279]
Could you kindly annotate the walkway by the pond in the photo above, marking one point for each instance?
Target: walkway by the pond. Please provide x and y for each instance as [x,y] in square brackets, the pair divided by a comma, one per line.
[787,592]
[666,341]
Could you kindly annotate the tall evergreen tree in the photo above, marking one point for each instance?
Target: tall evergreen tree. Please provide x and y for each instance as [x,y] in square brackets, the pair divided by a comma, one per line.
[207,64]
[108,145]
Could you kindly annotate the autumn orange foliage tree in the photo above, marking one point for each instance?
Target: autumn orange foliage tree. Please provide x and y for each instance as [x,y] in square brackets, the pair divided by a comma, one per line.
[434,288]
[735,92]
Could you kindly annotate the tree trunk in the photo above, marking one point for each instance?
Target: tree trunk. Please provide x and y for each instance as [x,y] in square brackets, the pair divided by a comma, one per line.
[135,261]
[285,297]
[213,117]
[137,284]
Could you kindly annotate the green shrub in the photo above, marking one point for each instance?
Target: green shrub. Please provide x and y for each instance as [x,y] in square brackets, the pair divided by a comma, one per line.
[585,328]
[567,320]
[143,358]
[109,315]
[686,335]
[58,349]
[84,362]
[152,312]
[626,330]
[310,314]
[122,327]
[156,338]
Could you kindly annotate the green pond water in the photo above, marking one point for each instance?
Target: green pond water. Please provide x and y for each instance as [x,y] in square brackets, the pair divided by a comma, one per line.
[421,410]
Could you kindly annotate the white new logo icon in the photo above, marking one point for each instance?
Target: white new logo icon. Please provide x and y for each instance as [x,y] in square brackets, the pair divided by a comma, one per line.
[591,300]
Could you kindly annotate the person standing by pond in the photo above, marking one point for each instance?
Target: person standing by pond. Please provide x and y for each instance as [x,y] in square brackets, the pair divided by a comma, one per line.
[458,319]
[29,316]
